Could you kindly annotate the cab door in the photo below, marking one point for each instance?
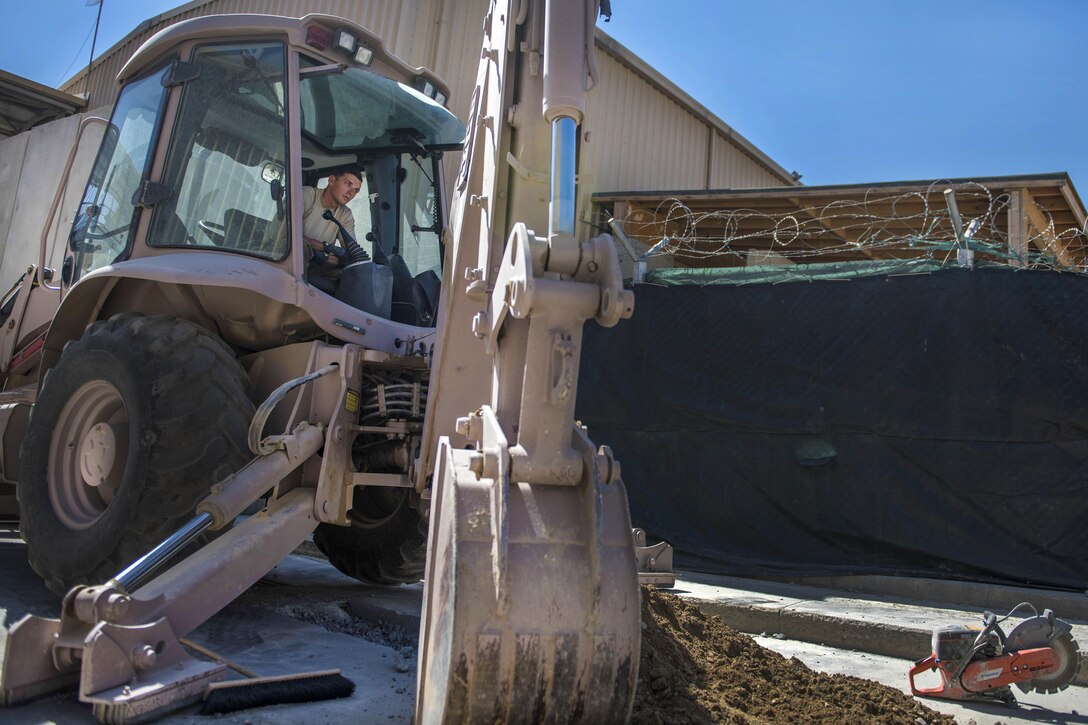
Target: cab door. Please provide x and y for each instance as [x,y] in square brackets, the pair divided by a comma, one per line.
[101,232]
[108,213]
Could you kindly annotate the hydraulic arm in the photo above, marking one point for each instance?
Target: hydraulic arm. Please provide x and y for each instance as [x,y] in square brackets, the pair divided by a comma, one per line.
[531,607]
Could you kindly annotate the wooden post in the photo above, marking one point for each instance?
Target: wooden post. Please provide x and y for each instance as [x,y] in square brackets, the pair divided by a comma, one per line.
[1018,241]
[620,209]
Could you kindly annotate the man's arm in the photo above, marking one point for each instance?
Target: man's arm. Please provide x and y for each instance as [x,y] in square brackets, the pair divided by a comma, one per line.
[332,254]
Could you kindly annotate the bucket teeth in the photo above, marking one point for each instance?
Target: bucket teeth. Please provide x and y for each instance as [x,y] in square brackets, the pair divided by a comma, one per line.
[565,649]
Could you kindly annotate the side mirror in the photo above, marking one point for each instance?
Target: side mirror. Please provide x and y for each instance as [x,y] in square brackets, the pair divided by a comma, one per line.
[273,174]
[81,226]
[272,171]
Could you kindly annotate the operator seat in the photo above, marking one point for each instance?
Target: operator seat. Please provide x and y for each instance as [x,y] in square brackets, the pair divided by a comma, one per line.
[243,231]
[415,299]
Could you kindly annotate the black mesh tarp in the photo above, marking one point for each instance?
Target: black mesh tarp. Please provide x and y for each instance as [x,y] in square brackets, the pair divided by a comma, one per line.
[931,424]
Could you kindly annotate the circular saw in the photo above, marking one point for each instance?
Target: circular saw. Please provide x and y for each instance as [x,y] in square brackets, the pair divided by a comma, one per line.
[981,663]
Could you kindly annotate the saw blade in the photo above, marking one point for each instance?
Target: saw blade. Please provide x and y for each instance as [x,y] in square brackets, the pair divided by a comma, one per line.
[1068,664]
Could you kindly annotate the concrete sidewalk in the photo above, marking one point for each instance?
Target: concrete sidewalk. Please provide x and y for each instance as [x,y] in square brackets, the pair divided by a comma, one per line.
[890,616]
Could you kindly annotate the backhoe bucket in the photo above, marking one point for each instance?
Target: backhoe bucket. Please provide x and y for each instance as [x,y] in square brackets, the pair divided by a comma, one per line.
[531,603]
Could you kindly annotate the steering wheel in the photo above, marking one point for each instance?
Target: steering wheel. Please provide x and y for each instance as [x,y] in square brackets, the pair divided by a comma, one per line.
[213,231]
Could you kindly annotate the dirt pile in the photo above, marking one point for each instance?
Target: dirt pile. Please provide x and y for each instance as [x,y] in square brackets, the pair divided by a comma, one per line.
[696,669]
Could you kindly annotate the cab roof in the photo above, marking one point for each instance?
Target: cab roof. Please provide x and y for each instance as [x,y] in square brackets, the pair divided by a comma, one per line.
[212,27]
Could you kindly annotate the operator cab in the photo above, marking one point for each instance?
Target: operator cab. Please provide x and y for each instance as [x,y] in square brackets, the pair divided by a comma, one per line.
[246,137]
[395,135]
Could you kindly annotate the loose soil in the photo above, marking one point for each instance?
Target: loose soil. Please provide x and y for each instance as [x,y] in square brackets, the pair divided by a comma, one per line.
[695,668]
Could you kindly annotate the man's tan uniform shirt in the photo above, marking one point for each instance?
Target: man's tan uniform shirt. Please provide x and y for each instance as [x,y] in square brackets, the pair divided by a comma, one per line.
[314,226]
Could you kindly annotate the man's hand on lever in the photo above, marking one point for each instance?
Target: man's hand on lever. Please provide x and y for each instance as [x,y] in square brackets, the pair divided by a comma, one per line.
[326,253]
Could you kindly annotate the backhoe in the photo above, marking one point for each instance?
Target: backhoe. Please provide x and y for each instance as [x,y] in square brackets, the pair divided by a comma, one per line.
[416,417]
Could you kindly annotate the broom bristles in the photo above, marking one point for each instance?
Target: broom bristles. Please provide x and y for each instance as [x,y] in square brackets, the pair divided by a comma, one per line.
[234,695]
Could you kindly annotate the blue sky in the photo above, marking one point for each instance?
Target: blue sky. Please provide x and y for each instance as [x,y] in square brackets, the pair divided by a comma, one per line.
[848,91]
[40,39]
[872,90]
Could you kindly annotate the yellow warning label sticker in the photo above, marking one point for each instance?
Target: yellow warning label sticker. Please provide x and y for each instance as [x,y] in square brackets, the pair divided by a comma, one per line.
[351,402]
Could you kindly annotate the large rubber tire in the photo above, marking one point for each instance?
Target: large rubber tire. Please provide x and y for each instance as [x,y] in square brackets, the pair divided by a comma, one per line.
[170,398]
[386,545]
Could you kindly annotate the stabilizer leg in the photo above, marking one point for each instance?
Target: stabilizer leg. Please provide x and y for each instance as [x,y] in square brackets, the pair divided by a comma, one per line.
[121,646]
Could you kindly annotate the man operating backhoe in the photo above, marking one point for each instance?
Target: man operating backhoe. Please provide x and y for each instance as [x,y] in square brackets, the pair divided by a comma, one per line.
[324,259]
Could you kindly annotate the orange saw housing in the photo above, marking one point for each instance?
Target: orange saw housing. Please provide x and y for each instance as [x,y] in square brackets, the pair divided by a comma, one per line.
[983,675]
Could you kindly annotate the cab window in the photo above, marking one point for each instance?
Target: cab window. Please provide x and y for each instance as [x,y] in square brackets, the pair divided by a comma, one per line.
[395,135]
[226,167]
[107,217]
[420,224]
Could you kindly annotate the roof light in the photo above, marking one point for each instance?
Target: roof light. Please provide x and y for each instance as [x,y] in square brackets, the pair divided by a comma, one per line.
[363,55]
[428,89]
[345,41]
[319,37]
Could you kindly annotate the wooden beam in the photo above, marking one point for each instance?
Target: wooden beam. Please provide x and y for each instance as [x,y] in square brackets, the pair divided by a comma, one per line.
[1075,207]
[845,191]
[882,205]
[619,212]
[819,236]
[1046,238]
[1018,241]
[849,240]
[644,229]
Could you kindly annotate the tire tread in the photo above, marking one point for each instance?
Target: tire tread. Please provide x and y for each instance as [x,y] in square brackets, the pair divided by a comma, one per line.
[199,414]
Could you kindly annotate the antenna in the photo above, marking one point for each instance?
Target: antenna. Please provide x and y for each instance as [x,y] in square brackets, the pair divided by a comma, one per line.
[87,78]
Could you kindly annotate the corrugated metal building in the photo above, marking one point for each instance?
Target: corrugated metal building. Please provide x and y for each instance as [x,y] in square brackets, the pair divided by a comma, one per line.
[645,133]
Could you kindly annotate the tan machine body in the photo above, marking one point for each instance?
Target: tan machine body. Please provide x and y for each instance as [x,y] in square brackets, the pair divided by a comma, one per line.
[531,603]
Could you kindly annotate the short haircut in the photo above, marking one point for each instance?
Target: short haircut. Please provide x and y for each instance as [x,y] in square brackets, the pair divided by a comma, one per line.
[353,170]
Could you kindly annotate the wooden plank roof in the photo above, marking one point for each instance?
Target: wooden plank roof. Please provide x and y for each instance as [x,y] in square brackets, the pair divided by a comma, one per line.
[1026,219]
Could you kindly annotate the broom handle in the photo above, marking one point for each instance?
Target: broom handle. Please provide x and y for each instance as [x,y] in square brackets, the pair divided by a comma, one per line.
[218,658]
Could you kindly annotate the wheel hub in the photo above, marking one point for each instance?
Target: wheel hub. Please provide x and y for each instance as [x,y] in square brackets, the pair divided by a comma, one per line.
[98,459]
[88,454]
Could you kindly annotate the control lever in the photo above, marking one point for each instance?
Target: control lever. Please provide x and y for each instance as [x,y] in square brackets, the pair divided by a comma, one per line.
[355,252]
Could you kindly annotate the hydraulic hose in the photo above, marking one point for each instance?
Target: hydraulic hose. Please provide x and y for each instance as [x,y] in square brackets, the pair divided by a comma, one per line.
[258,446]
